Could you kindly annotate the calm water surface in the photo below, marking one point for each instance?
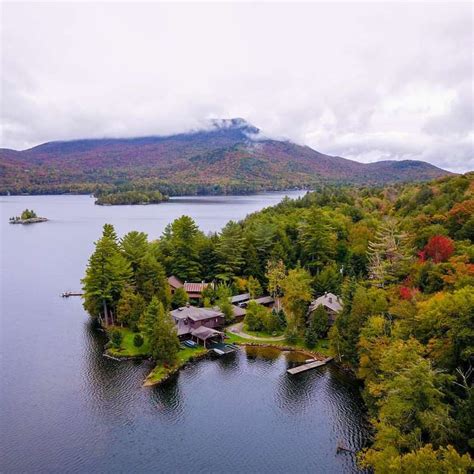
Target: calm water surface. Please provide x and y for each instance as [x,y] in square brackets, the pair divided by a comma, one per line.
[65,408]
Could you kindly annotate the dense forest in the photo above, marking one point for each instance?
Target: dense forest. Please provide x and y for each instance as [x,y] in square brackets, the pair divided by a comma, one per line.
[401,258]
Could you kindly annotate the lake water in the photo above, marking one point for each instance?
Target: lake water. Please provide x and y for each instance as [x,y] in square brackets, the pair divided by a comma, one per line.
[66,408]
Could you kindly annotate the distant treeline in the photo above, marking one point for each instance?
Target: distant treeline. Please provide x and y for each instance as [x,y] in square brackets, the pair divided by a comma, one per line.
[147,186]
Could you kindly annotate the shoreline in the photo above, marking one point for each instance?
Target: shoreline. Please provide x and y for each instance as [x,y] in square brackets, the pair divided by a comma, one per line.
[33,220]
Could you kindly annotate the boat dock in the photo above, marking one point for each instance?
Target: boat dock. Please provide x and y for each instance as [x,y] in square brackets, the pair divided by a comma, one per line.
[220,349]
[67,294]
[309,365]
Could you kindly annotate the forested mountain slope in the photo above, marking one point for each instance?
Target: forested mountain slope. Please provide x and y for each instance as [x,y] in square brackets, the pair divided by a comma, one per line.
[231,156]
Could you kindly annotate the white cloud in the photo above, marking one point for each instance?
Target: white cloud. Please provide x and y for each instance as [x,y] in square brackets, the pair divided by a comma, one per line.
[366,81]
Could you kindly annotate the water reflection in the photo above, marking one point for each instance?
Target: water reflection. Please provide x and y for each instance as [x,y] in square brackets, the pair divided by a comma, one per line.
[167,400]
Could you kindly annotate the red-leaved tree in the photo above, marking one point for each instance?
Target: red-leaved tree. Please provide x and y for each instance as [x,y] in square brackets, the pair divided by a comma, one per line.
[439,248]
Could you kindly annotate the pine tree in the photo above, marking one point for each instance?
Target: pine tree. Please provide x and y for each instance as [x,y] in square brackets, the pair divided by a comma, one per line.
[387,254]
[151,280]
[184,237]
[150,317]
[134,246]
[317,239]
[164,341]
[229,252]
[107,274]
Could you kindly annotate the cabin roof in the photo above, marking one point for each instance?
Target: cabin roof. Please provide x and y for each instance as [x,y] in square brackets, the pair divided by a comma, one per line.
[175,282]
[204,333]
[264,300]
[195,314]
[240,298]
[328,300]
[195,287]
[238,311]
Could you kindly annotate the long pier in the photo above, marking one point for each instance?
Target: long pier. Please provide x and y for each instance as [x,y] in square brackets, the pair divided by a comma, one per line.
[310,365]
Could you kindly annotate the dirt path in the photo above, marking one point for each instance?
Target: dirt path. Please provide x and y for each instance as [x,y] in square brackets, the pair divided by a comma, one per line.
[238,329]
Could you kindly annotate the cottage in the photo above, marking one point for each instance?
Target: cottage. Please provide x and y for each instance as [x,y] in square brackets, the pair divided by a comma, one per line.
[174,283]
[194,290]
[189,318]
[331,303]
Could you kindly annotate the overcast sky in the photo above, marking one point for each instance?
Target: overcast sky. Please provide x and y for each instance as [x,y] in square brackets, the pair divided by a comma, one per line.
[361,80]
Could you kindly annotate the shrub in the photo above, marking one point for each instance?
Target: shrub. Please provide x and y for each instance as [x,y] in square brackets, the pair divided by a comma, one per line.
[116,337]
[138,340]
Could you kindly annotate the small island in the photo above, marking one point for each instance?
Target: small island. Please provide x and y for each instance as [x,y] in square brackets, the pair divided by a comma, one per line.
[131,197]
[28,216]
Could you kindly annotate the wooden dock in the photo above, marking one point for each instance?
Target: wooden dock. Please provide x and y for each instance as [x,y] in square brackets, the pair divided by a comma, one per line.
[310,365]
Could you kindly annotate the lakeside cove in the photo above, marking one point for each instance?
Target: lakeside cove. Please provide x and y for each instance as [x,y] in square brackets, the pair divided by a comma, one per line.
[186,355]
[121,424]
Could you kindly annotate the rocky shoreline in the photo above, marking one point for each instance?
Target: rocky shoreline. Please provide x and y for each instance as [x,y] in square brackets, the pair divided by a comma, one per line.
[33,220]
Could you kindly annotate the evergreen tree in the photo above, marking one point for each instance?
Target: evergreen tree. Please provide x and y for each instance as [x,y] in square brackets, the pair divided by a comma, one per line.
[164,341]
[151,280]
[130,308]
[179,298]
[107,273]
[184,240]
[134,246]
[319,322]
[229,252]
[317,240]
[150,316]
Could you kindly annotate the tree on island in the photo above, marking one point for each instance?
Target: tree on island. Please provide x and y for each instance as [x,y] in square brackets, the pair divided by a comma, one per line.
[28,214]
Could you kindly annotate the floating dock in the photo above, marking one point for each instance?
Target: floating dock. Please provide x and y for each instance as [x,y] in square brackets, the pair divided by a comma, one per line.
[221,349]
[309,365]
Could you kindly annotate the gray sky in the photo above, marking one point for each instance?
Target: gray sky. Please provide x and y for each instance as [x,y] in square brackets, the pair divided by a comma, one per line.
[365,81]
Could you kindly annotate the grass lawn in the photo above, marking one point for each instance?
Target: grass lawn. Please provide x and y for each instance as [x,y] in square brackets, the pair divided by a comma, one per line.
[184,355]
[322,346]
[127,348]
[262,334]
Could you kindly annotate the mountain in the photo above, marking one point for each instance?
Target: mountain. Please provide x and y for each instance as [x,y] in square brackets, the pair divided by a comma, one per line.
[230,156]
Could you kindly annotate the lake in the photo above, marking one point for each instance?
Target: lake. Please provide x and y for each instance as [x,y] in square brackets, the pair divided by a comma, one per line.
[66,408]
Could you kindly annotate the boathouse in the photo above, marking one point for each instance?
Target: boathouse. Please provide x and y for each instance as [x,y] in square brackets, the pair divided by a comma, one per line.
[207,336]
